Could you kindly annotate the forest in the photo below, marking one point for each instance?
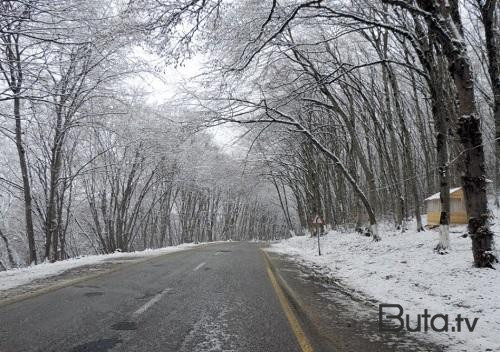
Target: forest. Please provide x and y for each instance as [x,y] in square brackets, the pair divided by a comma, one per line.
[353,110]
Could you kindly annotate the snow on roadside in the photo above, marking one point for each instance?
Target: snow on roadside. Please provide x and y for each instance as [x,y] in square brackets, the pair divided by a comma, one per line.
[403,269]
[17,277]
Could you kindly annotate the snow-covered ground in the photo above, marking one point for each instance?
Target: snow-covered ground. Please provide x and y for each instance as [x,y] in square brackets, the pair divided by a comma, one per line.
[403,269]
[17,277]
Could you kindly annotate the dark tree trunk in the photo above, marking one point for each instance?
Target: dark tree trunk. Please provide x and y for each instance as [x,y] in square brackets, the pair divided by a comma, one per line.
[30,233]
[489,15]
[441,112]
[51,223]
[9,250]
[469,130]
[449,32]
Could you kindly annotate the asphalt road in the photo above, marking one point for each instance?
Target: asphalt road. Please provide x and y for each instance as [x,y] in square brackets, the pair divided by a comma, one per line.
[217,297]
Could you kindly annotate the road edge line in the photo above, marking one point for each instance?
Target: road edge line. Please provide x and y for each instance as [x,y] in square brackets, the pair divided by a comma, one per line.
[295,325]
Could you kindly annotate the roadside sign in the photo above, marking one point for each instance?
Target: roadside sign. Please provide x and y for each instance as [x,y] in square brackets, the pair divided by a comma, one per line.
[318,220]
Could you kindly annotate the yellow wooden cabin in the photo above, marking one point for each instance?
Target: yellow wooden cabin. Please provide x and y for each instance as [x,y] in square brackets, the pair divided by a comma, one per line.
[458,213]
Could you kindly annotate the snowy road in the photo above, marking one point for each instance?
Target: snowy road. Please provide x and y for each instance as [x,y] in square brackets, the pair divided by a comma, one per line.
[212,298]
[218,297]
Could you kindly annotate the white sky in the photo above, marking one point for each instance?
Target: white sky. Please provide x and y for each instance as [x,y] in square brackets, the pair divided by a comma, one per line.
[163,86]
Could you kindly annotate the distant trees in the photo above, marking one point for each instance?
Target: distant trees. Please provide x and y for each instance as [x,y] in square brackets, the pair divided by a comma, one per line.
[77,77]
[358,110]
[53,64]
[383,90]
[140,195]
[90,182]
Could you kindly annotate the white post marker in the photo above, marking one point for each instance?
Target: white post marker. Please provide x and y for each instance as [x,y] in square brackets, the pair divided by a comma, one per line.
[318,221]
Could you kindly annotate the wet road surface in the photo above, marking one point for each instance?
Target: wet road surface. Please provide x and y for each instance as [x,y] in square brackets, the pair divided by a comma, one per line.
[217,297]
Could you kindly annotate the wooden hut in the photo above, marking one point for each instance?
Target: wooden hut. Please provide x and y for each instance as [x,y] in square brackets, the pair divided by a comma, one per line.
[458,214]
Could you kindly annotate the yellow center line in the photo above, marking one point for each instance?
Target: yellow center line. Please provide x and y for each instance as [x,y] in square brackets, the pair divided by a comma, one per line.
[299,333]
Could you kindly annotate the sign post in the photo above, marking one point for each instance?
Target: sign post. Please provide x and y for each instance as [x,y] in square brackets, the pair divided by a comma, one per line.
[317,222]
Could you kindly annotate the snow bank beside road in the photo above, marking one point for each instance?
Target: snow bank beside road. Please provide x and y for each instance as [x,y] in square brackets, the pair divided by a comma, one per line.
[17,277]
[403,269]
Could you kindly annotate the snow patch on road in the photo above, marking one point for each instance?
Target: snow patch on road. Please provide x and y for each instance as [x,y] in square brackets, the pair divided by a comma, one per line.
[209,334]
[403,269]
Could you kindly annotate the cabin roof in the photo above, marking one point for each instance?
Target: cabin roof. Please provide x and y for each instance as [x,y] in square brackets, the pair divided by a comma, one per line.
[436,196]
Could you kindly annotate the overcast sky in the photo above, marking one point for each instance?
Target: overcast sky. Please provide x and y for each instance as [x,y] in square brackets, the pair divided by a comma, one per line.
[163,86]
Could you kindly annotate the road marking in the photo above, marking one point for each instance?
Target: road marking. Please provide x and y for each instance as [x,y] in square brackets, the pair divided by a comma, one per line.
[150,303]
[199,266]
[299,333]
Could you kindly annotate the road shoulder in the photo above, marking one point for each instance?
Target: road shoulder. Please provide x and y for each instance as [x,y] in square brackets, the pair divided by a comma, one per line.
[340,319]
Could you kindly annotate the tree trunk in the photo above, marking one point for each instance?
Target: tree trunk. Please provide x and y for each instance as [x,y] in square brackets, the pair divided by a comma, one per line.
[408,156]
[441,112]
[489,17]
[474,173]
[51,225]
[30,233]
[444,185]
[9,250]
